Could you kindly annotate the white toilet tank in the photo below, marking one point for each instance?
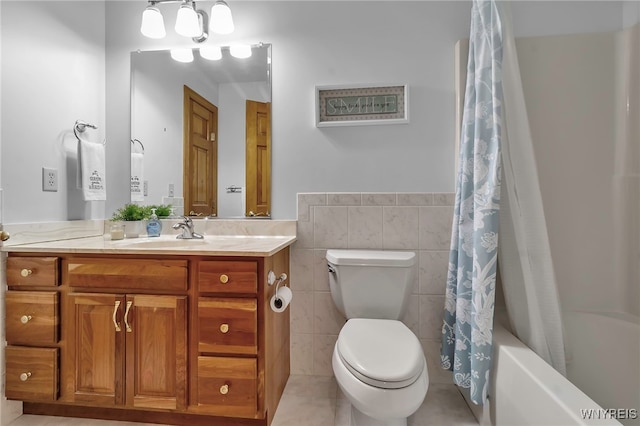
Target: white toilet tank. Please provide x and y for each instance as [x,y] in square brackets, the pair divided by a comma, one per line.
[371,283]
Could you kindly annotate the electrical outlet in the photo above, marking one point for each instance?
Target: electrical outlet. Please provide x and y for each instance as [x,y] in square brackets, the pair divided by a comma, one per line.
[170,190]
[49,179]
[145,190]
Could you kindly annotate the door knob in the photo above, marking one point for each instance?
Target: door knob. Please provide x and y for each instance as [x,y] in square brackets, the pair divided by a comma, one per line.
[4,236]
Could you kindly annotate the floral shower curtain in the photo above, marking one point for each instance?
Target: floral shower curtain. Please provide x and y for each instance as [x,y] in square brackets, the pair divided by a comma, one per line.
[470,292]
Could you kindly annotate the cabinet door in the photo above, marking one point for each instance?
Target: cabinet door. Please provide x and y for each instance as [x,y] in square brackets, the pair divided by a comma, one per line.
[156,329]
[99,348]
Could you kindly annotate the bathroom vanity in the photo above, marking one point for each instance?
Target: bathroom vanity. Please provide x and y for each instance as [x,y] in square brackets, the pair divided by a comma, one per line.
[150,330]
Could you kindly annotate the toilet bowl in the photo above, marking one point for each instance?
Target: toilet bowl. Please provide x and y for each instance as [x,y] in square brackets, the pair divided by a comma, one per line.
[377,361]
[380,367]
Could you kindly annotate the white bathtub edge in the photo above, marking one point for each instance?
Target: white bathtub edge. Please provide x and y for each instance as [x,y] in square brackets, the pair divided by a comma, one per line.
[525,390]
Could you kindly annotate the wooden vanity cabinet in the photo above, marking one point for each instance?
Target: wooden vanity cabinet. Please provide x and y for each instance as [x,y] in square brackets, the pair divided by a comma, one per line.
[185,340]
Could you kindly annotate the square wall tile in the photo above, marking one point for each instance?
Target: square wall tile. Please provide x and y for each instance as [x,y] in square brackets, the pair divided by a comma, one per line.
[365,227]
[399,225]
[330,227]
[434,265]
[435,227]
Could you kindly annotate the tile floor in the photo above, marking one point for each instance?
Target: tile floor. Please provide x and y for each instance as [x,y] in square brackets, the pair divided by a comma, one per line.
[317,401]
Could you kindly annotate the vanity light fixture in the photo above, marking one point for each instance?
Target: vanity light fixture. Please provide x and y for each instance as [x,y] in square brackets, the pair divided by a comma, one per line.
[182,55]
[187,23]
[212,53]
[152,23]
[240,51]
[190,22]
[221,19]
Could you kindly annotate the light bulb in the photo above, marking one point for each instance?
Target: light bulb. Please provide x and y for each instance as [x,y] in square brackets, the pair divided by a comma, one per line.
[187,23]
[152,23]
[240,51]
[221,19]
[212,53]
[182,55]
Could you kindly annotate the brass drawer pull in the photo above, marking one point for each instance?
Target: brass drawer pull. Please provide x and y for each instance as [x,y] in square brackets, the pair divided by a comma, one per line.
[224,278]
[26,272]
[126,317]
[25,319]
[224,389]
[25,376]
[224,328]
[115,311]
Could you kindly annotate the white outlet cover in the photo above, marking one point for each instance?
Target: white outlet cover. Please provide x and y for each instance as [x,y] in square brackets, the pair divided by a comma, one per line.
[49,179]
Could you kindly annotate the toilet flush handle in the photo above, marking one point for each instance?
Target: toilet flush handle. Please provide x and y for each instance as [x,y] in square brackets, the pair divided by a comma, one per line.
[331,269]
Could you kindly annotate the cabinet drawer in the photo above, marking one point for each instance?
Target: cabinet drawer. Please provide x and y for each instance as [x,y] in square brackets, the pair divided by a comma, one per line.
[228,386]
[32,373]
[227,325]
[228,277]
[32,271]
[127,274]
[32,317]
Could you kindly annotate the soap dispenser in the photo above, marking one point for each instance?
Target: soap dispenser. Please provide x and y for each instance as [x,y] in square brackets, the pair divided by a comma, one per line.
[154,226]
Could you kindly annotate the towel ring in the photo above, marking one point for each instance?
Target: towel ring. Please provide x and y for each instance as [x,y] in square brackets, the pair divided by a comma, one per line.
[133,142]
[80,127]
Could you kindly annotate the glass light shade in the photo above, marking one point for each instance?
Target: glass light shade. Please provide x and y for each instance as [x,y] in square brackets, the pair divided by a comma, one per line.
[152,23]
[187,23]
[221,19]
[212,53]
[240,51]
[182,55]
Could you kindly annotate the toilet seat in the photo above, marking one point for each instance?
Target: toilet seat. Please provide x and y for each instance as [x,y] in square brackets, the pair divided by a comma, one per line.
[382,353]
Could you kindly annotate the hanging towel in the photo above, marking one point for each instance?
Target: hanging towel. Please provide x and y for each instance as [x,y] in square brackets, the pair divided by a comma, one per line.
[137,176]
[91,171]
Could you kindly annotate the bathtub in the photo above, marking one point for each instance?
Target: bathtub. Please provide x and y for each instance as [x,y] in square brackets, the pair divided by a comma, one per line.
[603,358]
[525,390]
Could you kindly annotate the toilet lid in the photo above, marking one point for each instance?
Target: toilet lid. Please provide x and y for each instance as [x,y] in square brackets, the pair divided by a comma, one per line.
[382,353]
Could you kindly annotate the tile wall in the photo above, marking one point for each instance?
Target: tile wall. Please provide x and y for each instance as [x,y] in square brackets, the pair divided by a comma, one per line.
[419,222]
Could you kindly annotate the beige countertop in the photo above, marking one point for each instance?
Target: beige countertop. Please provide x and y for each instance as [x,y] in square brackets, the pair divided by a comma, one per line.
[211,245]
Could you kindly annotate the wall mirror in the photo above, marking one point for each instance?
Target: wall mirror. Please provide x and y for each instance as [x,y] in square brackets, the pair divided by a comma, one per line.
[201,132]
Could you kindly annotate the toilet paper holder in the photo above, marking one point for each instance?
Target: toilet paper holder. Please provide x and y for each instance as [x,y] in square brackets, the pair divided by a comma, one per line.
[272,279]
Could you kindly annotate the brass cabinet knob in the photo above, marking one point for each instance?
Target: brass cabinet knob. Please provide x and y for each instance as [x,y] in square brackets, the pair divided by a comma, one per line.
[26,272]
[224,278]
[224,389]
[25,319]
[25,376]
[4,236]
[224,328]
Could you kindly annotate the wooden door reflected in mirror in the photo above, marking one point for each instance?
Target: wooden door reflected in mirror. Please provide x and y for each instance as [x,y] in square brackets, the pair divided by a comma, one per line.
[200,155]
[258,159]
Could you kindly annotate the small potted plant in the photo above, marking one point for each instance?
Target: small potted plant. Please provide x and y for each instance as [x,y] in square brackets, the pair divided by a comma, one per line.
[133,217]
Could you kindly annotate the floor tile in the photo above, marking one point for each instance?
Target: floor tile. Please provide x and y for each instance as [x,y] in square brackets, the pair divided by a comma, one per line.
[316,401]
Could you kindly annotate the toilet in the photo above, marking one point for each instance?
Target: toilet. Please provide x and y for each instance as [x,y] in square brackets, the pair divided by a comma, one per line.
[377,360]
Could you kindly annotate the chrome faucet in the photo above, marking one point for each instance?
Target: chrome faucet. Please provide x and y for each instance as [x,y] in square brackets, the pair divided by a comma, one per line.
[187,230]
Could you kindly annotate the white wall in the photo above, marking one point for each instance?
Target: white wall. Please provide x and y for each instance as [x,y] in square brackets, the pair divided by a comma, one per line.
[53,73]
